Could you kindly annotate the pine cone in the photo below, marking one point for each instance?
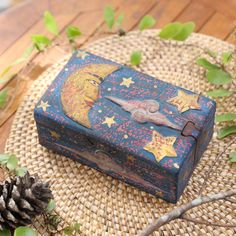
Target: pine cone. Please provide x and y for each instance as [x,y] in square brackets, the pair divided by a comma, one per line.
[21,200]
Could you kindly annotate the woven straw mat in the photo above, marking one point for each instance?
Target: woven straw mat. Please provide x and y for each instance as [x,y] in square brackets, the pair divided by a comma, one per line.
[106,206]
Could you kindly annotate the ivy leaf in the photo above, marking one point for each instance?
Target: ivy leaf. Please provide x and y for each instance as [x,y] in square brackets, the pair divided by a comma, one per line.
[50,23]
[120,20]
[211,53]
[4,158]
[135,58]
[77,227]
[226,57]
[206,64]
[21,171]
[232,157]
[177,31]
[51,206]
[24,56]
[12,162]
[215,93]
[146,22]
[226,131]
[184,33]
[5,232]
[24,231]
[109,16]
[73,32]
[170,30]
[3,97]
[225,117]
[68,230]
[218,76]
[40,41]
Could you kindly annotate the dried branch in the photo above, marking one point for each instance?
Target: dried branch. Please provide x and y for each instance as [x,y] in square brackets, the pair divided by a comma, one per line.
[178,212]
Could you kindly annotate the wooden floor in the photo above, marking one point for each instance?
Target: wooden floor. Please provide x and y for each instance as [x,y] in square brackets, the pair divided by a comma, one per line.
[212,17]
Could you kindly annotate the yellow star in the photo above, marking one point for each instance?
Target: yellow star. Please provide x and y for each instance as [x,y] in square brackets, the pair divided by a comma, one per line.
[43,105]
[127,82]
[109,121]
[185,101]
[130,158]
[161,146]
[54,134]
[82,54]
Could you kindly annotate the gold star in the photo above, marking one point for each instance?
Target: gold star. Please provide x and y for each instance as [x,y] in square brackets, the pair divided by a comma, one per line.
[161,146]
[43,105]
[185,101]
[130,158]
[127,82]
[54,134]
[82,54]
[109,121]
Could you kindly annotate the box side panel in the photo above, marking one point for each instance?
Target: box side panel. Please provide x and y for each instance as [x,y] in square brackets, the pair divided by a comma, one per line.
[110,161]
[200,146]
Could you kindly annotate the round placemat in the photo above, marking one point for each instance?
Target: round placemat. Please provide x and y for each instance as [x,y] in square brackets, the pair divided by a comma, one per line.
[106,206]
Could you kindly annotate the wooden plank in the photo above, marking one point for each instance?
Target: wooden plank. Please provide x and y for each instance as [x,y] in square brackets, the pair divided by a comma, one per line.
[167,11]
[133,11]
[226,7]
[197,13]
[17,20]
[218,26]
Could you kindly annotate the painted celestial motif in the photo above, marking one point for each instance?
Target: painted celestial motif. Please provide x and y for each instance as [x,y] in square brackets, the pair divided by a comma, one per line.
[43,105]
[127,82]
[125,123]
[81,90]
[161,146]
[109,121]
[144,111]
[185,101]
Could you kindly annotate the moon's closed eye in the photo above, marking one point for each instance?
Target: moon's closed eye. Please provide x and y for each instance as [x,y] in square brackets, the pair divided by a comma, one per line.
[81,90]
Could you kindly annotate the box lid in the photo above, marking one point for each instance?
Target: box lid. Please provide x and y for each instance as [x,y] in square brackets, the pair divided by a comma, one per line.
[130,111]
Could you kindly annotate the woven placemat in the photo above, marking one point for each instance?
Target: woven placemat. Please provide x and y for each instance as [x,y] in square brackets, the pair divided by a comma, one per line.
[106,206]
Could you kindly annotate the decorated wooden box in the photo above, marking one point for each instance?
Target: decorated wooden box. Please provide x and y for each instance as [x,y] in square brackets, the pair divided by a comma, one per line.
[134,127]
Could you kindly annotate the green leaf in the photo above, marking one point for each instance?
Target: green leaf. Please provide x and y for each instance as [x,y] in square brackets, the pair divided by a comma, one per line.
[109,16]
[5,232]
[215,93]
[226,57]
[73,32]
[50,23]
[77,227]
[218,76]
[3,97]
[184,33]
[232,157]
[51,206]
[12,162]
[120,20]
[135,58]
[40,41]
[21,171]
[146,22]
[24,56]
[4,158]
[206,64]
[226,131]
[225,117]
[170,30]
[68,230]
[24,231]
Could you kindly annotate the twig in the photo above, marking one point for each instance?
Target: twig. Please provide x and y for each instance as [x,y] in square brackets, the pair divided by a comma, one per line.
[178,212]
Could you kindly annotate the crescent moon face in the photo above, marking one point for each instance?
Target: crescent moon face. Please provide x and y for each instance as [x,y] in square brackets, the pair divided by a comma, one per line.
[81,90]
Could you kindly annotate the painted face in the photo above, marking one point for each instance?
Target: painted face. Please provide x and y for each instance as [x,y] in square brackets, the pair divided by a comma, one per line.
[81,90]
